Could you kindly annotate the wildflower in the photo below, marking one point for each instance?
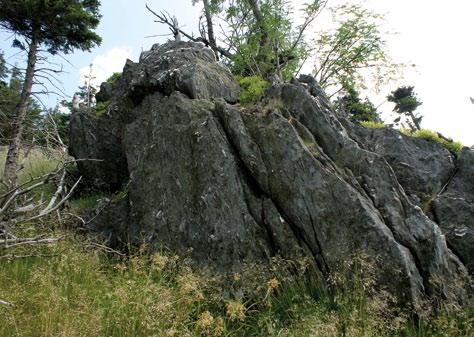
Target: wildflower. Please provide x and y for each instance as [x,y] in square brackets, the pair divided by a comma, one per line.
[205,321]
[236,311]
[273,284]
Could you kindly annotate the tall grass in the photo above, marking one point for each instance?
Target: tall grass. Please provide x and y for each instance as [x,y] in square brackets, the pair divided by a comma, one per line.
[84,292]
[34,162]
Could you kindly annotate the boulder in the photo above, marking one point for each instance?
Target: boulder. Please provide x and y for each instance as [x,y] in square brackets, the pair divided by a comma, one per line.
[235,185]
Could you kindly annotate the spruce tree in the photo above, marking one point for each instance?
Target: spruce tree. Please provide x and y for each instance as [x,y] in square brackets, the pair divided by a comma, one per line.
[58,26]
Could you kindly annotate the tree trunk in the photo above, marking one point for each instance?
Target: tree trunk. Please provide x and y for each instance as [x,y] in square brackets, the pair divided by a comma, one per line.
[10,173]
[416,123]
[257,13]
[210,25]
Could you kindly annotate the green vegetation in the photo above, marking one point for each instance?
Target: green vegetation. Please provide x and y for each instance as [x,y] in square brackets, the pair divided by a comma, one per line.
[9,97]
[84,291]
[355,48]
[36,27]
[351,105]
[432,136]
[35,163]
[114,77]
[253,87]
[101,108]
[374,125]
[406,102]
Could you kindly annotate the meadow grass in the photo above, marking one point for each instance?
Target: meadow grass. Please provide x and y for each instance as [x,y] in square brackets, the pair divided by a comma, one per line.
[35,163]
[85,292]
[71,288]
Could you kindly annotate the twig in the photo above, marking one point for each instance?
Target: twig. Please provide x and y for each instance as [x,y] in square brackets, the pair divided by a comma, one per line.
[103,248]
[7,304]
[29,241]
[13,256]
[171,24]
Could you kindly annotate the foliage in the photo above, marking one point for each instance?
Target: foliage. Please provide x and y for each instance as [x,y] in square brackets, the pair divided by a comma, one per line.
[350,104]
[9,97]
[355,47]
[432,136]
[55,124]
[260,37]
[60,26]
[406,103]
[3,70]
[56,25]
[374,125]
[253,87]
[80,290]
[114,77]
[101,108]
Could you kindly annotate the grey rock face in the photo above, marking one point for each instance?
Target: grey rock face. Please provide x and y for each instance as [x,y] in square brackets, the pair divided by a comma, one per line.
[454,209]
[422,168]
[433,179]
[239,185]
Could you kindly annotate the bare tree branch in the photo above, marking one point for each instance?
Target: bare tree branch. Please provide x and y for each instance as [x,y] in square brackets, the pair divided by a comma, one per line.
[166,19]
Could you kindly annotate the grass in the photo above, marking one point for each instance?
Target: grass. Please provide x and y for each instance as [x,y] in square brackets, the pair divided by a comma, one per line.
[35,163]
[85,292]
[72,288]
[373,125]
[432,136]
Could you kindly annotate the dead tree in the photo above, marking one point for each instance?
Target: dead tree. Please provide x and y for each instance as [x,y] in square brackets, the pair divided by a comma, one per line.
[172,23]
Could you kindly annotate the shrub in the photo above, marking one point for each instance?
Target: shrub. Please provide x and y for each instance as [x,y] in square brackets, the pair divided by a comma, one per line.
[101,108]
[114,77]
[253,88]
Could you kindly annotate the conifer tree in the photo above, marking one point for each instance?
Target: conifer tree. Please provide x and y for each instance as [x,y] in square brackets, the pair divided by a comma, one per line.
[58,26]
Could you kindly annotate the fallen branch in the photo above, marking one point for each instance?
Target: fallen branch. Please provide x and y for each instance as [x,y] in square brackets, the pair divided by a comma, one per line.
[14,256]
[103,248]
[7,304]
[15,242]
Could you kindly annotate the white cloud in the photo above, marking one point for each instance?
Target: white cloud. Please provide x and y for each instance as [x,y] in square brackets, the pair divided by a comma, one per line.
[103,66]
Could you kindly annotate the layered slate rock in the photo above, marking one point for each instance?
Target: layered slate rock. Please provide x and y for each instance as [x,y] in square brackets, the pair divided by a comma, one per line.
[283,178]
[422,168]
[453,209]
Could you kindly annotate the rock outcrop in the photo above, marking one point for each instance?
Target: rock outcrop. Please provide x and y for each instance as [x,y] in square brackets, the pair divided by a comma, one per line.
[286,177]
[453,209]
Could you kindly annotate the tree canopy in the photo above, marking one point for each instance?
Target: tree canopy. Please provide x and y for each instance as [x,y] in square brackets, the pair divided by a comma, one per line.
[9,97]
[351,105]
[59,26]
[353,50]
[259,37]
[406,102]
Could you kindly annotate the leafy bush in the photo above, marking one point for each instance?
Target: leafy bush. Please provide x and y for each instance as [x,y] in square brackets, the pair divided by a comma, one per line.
[101,108]
[253,88]
[432,136]
[114,78]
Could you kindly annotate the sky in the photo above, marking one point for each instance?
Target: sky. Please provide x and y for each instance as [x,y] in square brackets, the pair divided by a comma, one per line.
[433,34]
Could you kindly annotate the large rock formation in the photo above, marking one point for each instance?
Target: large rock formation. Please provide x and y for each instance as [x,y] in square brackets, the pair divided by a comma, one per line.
[285,177]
